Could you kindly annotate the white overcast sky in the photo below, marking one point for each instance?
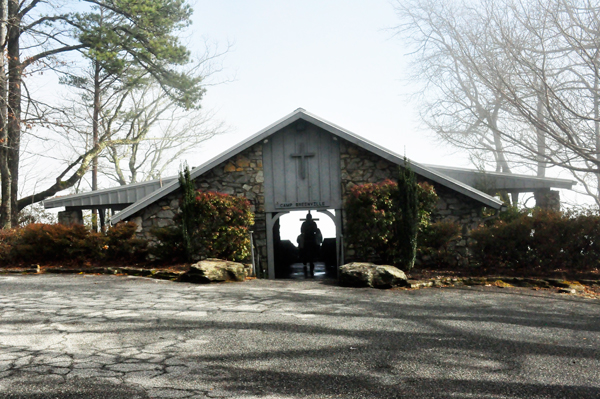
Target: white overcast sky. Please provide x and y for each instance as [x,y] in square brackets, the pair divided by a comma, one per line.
[337,59]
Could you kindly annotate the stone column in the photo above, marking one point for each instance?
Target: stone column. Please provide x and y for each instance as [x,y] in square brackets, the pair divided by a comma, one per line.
[547,199]
[70,216]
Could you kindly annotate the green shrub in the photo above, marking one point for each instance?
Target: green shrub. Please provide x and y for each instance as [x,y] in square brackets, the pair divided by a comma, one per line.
[434,243]
[436,236]
[216,226]
[540,239]
[371,215]
[170,247]
[223,228]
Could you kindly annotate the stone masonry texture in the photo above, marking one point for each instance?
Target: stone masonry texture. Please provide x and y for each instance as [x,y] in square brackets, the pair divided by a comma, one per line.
[360,166]
[243,176]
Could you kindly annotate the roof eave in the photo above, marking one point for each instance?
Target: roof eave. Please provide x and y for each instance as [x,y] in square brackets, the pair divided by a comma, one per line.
[330,127]
[250,141]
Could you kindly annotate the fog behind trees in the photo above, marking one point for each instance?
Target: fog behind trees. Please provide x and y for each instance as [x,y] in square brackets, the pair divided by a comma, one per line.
[514,84]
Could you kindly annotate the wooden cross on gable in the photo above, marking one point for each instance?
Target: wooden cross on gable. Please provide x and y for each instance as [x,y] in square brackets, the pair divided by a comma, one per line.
[301,155]
[315,220]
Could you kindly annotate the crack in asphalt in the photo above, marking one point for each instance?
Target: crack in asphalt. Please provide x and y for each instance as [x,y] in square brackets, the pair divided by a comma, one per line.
[124,337]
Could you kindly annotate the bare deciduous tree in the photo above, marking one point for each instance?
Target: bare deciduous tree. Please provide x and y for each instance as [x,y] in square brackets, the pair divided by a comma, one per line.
[163,133]
[455,103]
[514,80]
[141,130]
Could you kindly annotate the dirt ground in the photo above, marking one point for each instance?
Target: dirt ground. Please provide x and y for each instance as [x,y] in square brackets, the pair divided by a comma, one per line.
[591,290]
[486,271]
[583,276]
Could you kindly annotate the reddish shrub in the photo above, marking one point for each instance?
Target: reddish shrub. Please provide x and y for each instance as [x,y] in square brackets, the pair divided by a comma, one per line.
[43,243]
[219,228]
[51,243]
[542,239]
[122,245]
[223,228]
[371,215]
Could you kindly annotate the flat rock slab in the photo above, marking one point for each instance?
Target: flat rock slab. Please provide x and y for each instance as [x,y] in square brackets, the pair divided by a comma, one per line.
[90,336]
[214,271]
[364,274]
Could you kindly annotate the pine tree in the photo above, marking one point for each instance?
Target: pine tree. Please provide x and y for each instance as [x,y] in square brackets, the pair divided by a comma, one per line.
[137,37]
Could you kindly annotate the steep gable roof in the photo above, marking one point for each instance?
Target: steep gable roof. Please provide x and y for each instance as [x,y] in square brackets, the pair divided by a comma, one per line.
[329,127]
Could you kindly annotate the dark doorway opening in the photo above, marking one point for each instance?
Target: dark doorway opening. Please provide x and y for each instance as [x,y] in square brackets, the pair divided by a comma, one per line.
[288,255]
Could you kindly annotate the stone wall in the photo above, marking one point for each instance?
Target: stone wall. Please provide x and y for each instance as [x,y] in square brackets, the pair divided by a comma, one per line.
[360,166]
[241,176]
[456,207]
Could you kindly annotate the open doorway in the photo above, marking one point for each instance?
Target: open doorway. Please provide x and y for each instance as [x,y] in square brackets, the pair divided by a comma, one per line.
[292,258]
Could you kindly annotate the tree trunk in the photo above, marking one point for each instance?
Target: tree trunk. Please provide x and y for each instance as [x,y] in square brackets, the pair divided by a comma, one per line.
[5,176]
[501,161]
[597,122]
[95,127]
[15,74]
[540,139]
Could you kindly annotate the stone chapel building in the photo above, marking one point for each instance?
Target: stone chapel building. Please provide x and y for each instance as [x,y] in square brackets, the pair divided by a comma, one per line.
[303,162]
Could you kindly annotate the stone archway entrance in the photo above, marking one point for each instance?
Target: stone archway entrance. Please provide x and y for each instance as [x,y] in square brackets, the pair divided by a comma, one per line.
[301,164]
[272,219]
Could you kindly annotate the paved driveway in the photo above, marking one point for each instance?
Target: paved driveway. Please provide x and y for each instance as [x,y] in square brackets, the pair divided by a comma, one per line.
[78,336]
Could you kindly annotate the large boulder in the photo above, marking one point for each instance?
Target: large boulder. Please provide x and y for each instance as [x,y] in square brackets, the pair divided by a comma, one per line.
[215,271]
[362,274]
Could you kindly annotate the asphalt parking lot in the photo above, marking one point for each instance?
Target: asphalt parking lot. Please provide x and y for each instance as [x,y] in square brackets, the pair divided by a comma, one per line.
[87,336]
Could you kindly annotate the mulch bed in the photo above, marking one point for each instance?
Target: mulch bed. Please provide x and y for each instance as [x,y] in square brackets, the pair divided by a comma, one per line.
[591,290]
[570,275]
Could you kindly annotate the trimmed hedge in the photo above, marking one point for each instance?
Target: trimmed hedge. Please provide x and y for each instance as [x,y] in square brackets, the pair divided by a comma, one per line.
[434,244]
[540,239]
[39,243]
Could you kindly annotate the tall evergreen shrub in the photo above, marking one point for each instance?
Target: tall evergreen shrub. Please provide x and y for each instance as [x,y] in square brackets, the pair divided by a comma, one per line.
[406,226]
[189,218]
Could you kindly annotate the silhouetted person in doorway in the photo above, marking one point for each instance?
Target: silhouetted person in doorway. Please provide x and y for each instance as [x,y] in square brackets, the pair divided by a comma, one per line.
[308,244]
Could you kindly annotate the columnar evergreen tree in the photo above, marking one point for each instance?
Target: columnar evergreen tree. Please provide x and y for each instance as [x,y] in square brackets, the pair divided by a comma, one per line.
[407,223]
[189,219]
